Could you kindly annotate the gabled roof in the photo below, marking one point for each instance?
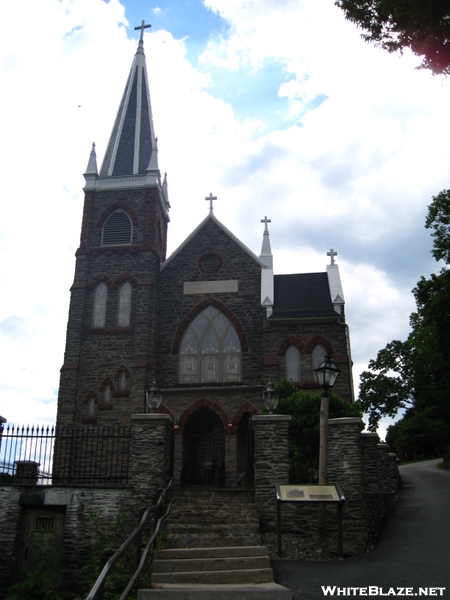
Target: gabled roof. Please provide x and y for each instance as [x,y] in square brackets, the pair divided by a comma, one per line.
[303,295]
[132,148]
[212,218]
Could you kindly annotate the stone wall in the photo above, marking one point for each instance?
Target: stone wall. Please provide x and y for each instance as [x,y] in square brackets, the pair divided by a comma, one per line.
[365,469]
[271,463]
[150,455]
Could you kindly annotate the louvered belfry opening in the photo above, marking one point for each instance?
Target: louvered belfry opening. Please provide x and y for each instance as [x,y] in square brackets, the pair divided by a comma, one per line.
[117,230]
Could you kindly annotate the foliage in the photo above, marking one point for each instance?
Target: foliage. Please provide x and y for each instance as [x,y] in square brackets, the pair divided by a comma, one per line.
[415,436]
[39,584]
[111,536]
[415,374]
[421,26]
[304,433]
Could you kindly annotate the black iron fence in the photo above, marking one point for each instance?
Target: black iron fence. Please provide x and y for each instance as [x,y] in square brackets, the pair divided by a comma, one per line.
[65,455]
[303,454]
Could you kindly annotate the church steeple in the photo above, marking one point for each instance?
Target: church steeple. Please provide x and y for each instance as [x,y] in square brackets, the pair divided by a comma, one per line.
[132,146]
[267,281]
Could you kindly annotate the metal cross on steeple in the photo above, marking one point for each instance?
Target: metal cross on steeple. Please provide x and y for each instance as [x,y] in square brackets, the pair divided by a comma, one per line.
[211,198]
[266,220]
[332,253]
[142,27]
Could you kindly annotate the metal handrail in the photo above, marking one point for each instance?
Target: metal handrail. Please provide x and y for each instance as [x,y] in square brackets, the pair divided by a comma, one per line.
[99,584]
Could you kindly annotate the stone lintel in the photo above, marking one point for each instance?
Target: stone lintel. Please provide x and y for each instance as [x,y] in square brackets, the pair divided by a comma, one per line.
[383,446]
[369,434]
[347,421]
[270,418]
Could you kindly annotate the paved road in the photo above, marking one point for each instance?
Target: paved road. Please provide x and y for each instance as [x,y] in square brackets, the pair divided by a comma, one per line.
[413,550]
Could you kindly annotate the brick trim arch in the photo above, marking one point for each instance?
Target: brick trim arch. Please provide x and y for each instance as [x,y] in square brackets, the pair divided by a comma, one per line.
[197,309]
[317,339]
[192,408]
[89,395]
[245,408]
[104,383]
[101,277]
[121,369]
[125,277]
[114,206]
[291,340]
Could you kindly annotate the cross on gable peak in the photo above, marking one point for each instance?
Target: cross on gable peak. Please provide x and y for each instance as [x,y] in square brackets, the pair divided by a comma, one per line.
[142,26]
[332,253]
[266,220]
[211,199]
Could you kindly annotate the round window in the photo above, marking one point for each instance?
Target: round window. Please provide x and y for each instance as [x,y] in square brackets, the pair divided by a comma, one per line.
[210,262]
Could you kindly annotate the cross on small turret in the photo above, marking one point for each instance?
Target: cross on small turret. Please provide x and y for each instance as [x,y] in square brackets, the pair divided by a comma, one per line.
[142,27]
[266,220]
[332,253]
[211,198]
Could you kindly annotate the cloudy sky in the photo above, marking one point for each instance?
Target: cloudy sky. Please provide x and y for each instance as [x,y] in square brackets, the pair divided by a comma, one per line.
[276,106]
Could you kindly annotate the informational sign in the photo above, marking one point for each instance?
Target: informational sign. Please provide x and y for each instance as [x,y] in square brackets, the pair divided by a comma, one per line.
[312,494]
[308,493]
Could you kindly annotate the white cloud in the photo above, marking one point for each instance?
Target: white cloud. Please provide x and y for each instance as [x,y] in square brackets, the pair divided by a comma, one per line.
[355,174]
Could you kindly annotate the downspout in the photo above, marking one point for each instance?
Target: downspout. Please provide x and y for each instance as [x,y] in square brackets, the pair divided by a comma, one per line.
[350,362]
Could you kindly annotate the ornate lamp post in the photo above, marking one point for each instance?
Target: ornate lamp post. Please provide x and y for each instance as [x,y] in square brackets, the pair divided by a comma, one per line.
[153,397]
[270,397]
[327,374]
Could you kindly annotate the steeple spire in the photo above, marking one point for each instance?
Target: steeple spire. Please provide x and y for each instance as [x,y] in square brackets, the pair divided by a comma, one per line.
[267,281]
[266,250]
[132,145]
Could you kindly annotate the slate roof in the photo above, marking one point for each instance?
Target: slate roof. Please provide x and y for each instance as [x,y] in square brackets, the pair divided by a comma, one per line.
[132,140]
[302,295]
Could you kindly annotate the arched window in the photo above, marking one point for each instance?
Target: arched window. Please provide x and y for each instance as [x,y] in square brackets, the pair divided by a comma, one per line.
[122,381]
[99,311]
[124,305]
[318,356]
[293,364]
[91,407]
[117,229]
[106,394]
[210,350]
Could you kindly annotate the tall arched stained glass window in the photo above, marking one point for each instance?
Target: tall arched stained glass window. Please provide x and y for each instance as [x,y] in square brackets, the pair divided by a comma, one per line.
[210,351]
[124,305]
[293,364]
[99,311]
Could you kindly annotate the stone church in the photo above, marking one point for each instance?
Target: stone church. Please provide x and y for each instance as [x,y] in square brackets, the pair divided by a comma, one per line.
[211,324]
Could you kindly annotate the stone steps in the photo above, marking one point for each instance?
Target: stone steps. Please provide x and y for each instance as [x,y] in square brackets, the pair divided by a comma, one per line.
[211,518]
[214,573]
[213,550]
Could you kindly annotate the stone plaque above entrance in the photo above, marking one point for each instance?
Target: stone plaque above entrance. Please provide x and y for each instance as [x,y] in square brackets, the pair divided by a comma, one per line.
[210,287]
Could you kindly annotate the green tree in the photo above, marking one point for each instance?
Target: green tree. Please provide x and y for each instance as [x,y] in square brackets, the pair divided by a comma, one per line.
[415,374]
[304,433]
[420,25]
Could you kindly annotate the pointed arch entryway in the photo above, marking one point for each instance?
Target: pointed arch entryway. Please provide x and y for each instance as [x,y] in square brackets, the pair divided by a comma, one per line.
[203,430]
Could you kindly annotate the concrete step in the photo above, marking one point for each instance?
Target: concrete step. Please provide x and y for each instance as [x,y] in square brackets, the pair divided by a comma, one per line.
[196,540]
[216,577]
[213,565]
[219,552]
[260,591]
[185,565]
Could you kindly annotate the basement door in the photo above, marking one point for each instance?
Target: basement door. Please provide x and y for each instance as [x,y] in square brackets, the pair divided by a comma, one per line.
[41,540]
